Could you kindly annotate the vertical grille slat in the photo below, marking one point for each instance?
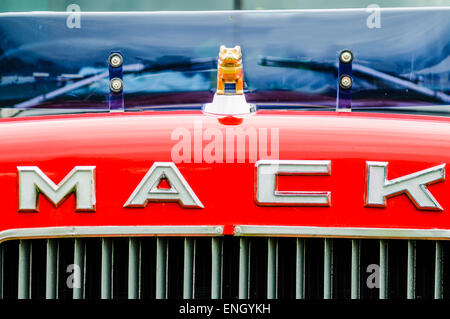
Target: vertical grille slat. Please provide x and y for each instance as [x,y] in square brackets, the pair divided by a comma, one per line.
[51,269]
[79,263]
[411,272]
[243,268]
[328,268]
[272,256]
[300,269]
[355,275]
[216,267]
[188,269]
[383,269]
[106,269]
[24,270]
[133,268]
[161,258]
[438,271]
[355,269]
[1,270]
[194,263]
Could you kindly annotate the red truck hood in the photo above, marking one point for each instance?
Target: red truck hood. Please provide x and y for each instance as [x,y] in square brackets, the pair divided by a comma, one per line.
[123,147]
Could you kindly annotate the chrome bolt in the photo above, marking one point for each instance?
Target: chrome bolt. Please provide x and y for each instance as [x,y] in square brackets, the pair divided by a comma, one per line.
[345,82]
[346,56]
[115,60]
[116,85]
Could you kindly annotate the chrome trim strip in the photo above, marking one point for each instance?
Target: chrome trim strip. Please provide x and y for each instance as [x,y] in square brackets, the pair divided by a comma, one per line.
[241,230]
[347,232]
[109,231]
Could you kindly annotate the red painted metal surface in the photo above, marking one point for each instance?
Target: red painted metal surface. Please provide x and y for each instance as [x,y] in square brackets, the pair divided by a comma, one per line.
[123,146]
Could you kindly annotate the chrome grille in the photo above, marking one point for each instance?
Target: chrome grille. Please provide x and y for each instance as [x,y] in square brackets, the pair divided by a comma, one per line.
[224,267]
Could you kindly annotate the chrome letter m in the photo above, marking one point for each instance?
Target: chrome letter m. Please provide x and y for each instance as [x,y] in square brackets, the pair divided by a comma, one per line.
[32,181]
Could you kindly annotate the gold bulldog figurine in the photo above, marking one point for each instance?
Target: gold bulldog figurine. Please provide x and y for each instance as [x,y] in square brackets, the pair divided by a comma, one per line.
[229,69]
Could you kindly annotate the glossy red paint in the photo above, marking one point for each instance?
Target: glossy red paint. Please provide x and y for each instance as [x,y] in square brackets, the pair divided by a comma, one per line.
[123,146]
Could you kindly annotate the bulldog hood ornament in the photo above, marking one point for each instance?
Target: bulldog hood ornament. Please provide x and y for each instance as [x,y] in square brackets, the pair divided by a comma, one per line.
[229,98]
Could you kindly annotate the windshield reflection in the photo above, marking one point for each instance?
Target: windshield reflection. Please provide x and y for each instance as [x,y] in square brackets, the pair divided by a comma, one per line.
[170,58]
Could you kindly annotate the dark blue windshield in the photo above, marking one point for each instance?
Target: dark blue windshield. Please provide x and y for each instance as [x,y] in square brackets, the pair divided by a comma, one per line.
[169,58]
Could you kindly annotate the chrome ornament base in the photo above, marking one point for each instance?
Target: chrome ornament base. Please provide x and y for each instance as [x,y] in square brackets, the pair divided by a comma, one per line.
[229,104]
